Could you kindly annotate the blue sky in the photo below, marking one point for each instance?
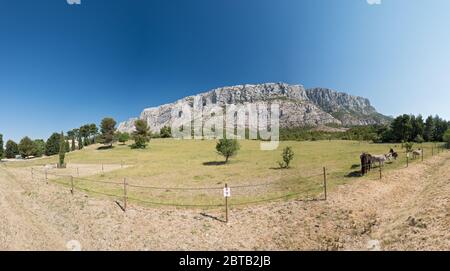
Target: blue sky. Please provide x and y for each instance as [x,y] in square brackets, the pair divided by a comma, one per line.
[65,65]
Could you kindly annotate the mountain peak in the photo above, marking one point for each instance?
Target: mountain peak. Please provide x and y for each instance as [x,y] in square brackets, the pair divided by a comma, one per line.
[299,107]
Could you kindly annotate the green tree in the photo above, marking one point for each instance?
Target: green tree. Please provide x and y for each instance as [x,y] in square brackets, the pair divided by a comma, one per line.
[408,146]
[428,130]
[12,149]
[71,135]
[402,128]
[227,148]
[26,147]
[52,145]
[62,150]
[124,137]
[39,147]
[141,135]
[166,132]
[2,151]
[93,131]
[108,129]
[85,132]
[446,138]
[287,156]
[79,140]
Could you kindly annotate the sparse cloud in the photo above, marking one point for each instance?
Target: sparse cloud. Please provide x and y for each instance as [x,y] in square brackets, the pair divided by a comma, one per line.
[76,2]
[374,2]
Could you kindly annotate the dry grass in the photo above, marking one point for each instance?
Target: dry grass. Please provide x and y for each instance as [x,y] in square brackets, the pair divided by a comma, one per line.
[173,164]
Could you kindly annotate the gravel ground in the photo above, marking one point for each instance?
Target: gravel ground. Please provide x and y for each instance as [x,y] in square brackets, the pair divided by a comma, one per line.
[408,210]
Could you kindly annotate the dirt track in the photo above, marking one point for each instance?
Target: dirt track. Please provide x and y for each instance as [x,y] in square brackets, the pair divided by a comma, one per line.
[408,210]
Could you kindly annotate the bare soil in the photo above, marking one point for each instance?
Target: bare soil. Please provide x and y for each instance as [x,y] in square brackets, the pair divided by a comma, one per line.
[408,210]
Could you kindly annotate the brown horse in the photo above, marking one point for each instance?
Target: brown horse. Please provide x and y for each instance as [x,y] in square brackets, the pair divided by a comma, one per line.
[366,163]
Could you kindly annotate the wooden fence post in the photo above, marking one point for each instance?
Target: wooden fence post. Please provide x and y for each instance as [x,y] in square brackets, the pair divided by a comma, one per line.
[71,184]
[125,194]
[379,165]
[226,205]
[325,182]
[407,159]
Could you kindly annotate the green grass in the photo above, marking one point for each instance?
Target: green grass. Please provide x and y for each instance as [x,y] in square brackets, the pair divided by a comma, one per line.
[174,164]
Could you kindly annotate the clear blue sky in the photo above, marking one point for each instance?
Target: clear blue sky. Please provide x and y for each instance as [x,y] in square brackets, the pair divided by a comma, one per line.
[65,65]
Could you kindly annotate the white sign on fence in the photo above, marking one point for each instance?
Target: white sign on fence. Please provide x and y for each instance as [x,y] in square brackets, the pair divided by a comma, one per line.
[227,192]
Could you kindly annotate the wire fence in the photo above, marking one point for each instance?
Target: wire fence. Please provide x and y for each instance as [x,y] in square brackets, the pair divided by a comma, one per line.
[310,188]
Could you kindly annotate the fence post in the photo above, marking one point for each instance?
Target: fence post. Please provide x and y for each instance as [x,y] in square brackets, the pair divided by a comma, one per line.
[379,165]
[125,194]
[71,184]
[407,159]
[226,205]
[325,182]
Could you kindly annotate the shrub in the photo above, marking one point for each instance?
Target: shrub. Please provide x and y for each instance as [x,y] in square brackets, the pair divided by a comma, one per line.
[227,148]
[124,137]
[287,156]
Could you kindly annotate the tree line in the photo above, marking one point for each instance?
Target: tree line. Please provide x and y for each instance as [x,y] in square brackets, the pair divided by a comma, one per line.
[79,138]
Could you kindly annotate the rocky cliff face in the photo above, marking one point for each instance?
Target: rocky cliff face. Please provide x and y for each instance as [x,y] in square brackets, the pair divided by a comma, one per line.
[299,107]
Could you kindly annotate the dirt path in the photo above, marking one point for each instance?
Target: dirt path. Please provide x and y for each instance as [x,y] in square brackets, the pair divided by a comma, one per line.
[408,209]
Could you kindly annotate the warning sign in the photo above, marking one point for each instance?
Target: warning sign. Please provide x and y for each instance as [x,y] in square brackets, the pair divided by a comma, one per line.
[227,192]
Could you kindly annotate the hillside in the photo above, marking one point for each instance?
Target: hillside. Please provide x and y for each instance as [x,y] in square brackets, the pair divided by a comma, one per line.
[299,107]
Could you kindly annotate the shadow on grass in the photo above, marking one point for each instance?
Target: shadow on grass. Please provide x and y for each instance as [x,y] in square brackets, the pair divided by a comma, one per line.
[101,148]
[354,174]
[215,163]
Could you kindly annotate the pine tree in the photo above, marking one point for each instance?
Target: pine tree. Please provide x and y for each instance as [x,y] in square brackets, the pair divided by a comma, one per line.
[62,151]
[1,147]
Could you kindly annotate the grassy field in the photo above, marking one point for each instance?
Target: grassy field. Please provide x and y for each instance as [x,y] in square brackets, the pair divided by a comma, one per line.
[168,165]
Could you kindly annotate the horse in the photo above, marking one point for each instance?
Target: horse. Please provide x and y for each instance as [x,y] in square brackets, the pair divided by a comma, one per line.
[417,153]
[379,159]
[393,154]
[366,163]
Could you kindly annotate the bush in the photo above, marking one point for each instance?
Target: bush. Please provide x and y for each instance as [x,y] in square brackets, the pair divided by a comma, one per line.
[166,132]
[408,146]
[227,148]
[287,156]
[124,137]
